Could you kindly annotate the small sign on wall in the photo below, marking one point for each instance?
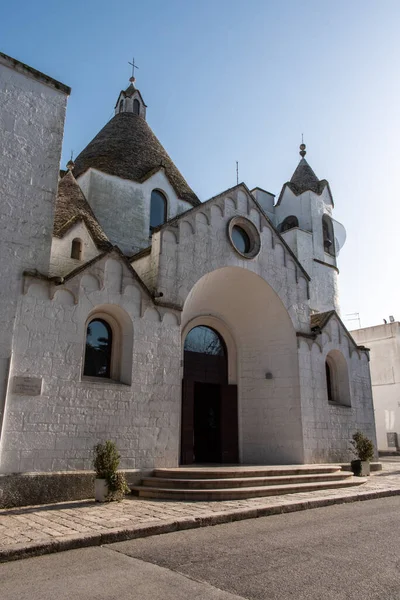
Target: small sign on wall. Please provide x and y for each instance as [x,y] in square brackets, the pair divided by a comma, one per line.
[27,386]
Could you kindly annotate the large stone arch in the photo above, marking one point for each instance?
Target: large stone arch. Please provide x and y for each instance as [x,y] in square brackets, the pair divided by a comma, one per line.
[270,430]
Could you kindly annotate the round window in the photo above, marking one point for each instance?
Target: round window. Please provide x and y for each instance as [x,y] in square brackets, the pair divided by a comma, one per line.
[240,239]
[244,237]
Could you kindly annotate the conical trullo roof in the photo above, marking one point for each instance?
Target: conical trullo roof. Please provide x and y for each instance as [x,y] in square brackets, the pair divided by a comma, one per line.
[304,178]
[126,147]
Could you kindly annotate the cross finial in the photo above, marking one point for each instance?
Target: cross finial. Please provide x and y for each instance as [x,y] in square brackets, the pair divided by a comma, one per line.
[132,79]
[302,147]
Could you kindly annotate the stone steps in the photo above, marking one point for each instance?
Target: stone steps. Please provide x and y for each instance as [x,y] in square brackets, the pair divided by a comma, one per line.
[237,482]
[241,493]
[220,472]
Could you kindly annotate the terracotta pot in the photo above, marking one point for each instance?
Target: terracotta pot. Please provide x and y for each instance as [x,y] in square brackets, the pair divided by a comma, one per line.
[100,490]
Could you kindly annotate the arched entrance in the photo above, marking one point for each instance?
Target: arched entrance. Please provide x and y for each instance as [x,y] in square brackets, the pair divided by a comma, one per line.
[209,431]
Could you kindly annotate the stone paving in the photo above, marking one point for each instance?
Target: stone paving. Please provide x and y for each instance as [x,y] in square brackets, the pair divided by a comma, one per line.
[44,526]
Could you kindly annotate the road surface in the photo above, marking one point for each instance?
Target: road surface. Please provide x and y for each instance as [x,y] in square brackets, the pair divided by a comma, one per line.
[347,552]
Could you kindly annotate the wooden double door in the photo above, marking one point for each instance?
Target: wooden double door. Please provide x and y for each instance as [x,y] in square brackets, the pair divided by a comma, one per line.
[209,426]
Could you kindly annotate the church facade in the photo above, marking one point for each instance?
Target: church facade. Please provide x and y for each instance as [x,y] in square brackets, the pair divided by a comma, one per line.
[189,332]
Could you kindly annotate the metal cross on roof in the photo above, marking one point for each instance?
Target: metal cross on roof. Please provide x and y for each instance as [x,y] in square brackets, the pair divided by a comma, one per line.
[133,69]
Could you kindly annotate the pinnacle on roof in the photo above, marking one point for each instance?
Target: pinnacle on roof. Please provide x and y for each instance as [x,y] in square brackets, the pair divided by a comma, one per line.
[304,179]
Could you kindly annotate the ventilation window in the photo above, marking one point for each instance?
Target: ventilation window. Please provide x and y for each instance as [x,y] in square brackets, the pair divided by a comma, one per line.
[136,107]
[121,106]
[328,235]
[289,223]
[76,249]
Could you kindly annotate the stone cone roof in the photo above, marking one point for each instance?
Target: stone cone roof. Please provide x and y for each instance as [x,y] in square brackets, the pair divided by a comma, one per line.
[71,207]
[126,147]
[304,178]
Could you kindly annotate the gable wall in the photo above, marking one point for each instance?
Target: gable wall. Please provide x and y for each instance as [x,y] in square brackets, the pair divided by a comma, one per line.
[61,262]
[328,428]
[122,207]
[199,244]
[58,429]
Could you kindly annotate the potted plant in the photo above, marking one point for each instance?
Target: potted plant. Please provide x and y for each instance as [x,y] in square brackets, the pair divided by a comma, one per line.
[110,484]
[364,450]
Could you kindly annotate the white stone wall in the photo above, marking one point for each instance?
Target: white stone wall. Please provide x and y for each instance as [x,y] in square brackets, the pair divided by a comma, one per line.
[57,430]
[328,428]
[31,123]
[384,343]
[61,262]
[122,207]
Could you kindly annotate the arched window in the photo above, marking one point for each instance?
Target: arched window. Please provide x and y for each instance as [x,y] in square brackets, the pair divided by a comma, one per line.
[204,340]
[99,339]
[136,107]
[337,378]
[289,223]
[328,235]
[158,209]
[121,105]
[76,249]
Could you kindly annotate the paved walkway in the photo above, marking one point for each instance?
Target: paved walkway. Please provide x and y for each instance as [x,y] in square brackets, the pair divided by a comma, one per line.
[38,530]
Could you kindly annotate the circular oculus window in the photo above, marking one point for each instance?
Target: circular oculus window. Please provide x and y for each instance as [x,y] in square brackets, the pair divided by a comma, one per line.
[244,237]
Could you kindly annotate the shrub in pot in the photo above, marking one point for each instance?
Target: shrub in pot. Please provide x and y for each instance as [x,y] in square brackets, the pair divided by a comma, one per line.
[363,448]
[110,484]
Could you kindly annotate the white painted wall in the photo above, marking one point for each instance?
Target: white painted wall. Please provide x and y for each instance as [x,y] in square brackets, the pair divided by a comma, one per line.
[384,343]
[31,122]
[122,207]
[61,262]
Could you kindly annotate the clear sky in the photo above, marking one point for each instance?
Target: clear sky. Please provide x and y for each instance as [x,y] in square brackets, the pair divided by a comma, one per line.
[228,80]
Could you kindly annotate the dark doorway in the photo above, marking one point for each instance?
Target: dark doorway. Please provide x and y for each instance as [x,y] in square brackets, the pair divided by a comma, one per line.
[207,423]
[209,428]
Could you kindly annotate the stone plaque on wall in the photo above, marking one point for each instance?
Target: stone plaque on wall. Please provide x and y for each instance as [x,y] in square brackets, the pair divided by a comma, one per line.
[27,386]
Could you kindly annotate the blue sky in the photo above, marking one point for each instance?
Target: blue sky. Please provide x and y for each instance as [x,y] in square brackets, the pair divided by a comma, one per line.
[228,80]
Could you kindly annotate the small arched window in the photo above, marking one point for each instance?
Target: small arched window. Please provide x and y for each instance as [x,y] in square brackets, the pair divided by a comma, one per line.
[158,209]
[136,107]
[98,349]
[328,235]
[121,106]
[289,223]
[76,249]
[337,378]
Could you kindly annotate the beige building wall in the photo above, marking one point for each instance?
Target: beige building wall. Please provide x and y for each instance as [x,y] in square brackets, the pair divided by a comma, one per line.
[384,343]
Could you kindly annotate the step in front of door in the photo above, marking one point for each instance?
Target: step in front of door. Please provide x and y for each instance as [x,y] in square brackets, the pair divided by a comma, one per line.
[242,492]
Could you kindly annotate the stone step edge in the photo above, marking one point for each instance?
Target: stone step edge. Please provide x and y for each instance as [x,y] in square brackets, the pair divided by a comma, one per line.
[120,534]
[274,490]
[339,476]
[222,473]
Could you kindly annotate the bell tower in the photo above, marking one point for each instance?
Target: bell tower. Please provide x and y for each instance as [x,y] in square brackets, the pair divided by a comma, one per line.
[304,218]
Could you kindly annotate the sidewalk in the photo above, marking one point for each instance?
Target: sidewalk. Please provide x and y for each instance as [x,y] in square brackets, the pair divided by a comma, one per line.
[35,530]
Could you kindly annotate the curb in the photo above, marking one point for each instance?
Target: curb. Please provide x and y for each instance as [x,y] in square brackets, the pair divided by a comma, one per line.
[72,542]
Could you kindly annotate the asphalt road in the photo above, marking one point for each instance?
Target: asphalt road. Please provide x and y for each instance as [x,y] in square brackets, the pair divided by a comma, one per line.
[347,552]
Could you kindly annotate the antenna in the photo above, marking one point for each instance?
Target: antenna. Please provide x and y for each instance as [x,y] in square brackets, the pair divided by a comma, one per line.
[354,317]
[237,172]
